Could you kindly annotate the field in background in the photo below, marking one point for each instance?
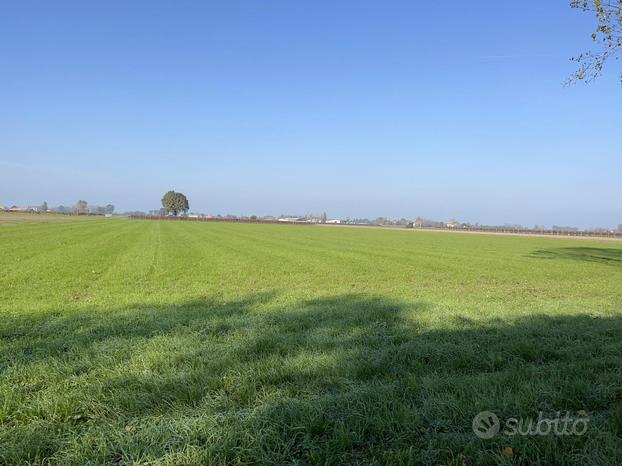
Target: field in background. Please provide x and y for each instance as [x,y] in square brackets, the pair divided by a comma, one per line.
[157,342]
[11,218]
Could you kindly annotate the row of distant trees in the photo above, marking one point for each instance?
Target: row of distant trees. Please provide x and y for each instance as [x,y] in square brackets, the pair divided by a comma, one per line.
[175,203]
[421,222]
[80,207]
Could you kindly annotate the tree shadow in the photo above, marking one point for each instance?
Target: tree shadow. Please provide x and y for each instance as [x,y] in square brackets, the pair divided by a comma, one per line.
[608,256]
[349,379]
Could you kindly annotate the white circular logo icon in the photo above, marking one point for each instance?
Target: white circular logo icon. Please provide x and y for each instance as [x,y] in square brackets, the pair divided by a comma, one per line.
[486,425]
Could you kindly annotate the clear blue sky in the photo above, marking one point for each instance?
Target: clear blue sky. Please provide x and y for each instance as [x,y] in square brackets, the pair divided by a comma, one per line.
[447,109]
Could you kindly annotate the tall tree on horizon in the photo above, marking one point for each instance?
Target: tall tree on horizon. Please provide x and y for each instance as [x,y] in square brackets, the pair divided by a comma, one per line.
[175,203]
[81,207]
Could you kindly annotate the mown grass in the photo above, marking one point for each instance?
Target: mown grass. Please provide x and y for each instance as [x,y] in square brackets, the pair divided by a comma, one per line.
[138,342]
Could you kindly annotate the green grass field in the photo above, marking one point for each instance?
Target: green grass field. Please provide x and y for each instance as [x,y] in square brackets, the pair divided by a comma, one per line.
[145,342]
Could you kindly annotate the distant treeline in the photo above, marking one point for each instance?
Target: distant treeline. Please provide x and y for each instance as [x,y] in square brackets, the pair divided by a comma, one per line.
[601,232]
[81,207]
[410,225]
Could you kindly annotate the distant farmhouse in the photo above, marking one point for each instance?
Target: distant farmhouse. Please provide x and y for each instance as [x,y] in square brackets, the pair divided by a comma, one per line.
[307,219]
[19,209]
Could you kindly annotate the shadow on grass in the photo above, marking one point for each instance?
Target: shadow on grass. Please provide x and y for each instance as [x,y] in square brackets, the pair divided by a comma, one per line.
[349,379]
[608,256]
